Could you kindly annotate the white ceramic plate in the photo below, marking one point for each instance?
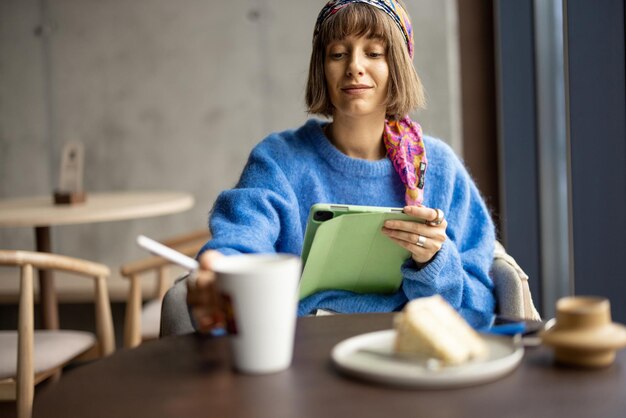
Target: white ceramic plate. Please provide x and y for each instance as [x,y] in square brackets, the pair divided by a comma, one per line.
[352,357]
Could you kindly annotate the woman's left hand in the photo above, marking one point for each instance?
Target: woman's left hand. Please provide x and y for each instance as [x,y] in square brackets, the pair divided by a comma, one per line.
[423,240]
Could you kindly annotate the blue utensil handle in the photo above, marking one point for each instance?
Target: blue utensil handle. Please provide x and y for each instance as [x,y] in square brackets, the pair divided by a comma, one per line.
[508,329]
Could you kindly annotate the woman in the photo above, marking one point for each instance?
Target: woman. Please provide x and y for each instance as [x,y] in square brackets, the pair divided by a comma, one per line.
[361,74]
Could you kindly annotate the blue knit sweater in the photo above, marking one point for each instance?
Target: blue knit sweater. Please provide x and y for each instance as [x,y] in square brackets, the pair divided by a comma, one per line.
[290,171]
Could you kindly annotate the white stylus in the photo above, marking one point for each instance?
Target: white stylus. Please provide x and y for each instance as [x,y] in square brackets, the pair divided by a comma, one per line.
[170,254]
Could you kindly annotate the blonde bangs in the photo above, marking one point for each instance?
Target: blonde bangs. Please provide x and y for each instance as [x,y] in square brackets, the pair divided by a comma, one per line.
[356,20]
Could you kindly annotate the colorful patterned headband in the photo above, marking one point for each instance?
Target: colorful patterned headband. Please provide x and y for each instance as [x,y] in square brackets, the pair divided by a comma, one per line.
[392,8]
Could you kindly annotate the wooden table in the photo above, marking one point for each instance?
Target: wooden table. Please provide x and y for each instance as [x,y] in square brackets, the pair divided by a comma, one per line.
[190,376]
[40,213]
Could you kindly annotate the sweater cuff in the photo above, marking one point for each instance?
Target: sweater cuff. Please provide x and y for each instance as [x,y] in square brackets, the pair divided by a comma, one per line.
[428,273]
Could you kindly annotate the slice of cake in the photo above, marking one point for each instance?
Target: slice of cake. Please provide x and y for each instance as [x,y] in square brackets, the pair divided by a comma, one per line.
[432,328]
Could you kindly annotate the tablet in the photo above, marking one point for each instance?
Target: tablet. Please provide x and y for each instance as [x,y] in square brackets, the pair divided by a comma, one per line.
[344,248]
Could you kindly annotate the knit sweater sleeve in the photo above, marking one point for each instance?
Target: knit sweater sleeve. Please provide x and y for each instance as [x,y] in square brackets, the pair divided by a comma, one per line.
[460,270]
[259,215]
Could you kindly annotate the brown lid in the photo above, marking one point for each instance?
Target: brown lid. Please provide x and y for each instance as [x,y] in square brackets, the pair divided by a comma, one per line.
[607,336]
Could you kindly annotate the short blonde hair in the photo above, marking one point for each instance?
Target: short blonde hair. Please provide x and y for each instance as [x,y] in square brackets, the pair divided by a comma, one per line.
[405,92]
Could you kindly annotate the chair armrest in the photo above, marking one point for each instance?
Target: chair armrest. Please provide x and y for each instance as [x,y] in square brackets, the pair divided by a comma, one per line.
[188,244]
[199,235]
[511,287]
[146,264]
[48,261]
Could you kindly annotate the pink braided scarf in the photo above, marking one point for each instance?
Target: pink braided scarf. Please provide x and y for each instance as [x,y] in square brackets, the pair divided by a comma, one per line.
[403,137]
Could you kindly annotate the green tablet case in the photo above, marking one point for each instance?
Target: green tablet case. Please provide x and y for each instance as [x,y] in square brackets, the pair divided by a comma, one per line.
[350,252]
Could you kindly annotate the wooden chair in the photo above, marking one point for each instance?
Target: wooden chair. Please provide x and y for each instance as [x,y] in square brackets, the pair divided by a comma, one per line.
[28,357]
[142,322]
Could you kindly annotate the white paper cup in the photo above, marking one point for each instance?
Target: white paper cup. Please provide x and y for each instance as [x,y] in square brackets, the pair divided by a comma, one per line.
[263,293]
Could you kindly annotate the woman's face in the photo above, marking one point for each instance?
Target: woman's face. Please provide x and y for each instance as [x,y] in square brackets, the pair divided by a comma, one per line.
[357,76]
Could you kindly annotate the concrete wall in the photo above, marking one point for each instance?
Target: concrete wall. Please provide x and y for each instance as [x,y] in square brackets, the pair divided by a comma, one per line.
[168,95]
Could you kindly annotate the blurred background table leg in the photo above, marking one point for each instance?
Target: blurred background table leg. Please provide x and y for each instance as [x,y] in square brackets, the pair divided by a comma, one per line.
[49,310]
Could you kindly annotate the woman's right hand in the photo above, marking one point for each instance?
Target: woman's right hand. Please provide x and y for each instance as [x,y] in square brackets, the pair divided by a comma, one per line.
[202,295]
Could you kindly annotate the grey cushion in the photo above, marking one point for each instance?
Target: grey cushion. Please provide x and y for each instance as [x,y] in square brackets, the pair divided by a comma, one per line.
[175,318]
[150,319]
[511,287]
[52,349]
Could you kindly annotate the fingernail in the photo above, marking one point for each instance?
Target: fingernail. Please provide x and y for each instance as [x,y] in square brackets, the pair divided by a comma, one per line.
[206,321]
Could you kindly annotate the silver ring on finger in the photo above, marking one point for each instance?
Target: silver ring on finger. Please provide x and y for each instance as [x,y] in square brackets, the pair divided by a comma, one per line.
[438,220]
[421,241]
